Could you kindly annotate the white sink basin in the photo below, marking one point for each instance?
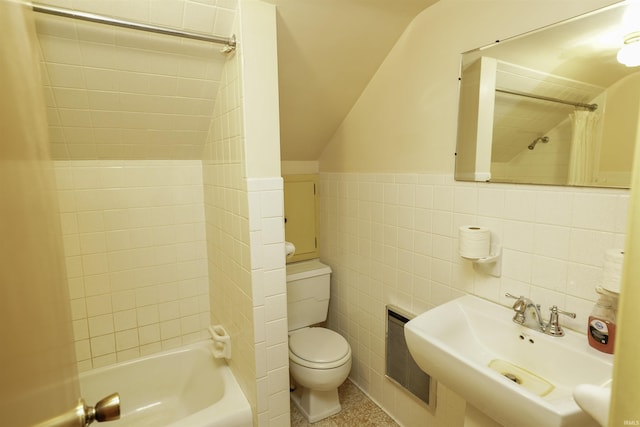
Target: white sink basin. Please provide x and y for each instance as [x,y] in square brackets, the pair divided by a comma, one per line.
[595,401]
[515,375]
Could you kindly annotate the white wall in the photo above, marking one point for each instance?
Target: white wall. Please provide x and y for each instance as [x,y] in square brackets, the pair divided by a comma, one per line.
[39,375]
[135,252]
[299,168]
[245,227]
[547,163]
[260,81]
[390,208]
[406,118]
[158,250]
[392,239]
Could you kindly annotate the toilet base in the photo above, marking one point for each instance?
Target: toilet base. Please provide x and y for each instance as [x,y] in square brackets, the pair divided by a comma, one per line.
[316,405]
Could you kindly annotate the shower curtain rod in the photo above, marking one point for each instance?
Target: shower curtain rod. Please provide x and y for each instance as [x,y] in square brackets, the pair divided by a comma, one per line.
[230,42]
[590,107]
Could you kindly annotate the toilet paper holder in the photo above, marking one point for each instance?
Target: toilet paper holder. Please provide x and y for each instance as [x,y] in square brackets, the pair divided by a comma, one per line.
[474,242]
[491,264]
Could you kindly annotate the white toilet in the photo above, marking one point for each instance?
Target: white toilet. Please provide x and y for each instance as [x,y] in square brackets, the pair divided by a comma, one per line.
[319,358]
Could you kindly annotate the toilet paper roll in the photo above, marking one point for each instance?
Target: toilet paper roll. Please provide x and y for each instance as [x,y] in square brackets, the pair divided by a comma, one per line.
[474,242]
[612,270]
[289,249]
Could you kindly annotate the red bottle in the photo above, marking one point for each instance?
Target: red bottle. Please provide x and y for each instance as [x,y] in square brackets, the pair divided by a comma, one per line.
[601,330]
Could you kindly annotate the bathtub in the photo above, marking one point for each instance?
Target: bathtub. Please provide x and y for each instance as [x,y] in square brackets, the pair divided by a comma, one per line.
[185,387]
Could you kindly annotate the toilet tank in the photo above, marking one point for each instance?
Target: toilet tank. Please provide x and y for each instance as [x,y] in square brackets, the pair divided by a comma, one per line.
[308,284]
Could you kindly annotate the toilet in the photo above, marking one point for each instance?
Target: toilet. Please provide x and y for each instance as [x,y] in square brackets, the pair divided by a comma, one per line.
[319,358]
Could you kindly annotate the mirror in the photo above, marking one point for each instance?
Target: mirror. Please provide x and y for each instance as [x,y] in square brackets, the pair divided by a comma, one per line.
[553,106]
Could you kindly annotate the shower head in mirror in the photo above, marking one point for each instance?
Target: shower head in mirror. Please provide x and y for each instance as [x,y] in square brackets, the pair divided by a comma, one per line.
[543,139]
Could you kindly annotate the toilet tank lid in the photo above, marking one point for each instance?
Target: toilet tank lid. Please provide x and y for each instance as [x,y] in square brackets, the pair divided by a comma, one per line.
[305,269]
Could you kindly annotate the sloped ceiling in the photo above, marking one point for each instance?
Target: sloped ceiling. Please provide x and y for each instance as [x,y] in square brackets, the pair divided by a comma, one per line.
[328,51]
[114,93]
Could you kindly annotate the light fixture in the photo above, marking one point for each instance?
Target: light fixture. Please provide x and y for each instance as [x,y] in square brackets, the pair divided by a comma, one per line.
[629,54]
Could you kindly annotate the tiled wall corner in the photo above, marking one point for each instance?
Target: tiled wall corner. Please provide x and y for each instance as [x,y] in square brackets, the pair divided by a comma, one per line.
[392,239]
[135,250]
[266,220]
[230,279]
[245,235]
[227,225]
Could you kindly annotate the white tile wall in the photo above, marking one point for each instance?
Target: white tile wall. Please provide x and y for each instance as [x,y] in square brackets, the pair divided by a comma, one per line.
[392,238]
[115,93]
[118,95]
[227,224]
[135,250]
[245,236]
[266,204]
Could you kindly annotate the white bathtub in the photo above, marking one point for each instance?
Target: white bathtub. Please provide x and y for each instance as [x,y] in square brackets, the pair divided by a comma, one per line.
[185,387]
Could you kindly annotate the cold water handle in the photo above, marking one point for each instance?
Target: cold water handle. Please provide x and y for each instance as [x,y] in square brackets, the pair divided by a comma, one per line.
[554,328]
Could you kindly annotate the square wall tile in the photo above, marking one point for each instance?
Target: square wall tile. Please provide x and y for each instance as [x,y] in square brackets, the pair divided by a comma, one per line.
[553,242]
[134,247]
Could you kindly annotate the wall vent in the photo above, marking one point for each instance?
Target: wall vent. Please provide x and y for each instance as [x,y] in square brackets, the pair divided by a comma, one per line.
[400,366]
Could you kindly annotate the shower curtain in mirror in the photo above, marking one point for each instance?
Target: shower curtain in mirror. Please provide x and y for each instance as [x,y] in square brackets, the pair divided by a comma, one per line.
[582,161]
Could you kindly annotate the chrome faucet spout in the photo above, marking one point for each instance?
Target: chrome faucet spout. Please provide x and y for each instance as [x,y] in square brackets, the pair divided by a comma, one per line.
[527,313]
[536,317]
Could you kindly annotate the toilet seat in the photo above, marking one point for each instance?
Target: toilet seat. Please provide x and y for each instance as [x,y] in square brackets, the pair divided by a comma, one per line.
[318,348]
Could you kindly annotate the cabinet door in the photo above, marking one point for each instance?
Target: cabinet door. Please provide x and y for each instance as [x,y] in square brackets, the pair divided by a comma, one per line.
[300,212]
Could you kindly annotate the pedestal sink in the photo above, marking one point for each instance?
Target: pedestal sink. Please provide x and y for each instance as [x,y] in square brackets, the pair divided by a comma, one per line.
[517,376]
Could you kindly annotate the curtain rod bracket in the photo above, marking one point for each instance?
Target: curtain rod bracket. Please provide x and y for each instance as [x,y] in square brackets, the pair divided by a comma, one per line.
[230,46]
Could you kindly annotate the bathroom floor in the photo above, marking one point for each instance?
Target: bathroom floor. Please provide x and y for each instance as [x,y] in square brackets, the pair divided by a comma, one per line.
[357,410]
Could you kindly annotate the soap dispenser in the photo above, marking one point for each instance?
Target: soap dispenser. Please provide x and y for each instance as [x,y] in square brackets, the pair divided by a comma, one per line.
[601,330]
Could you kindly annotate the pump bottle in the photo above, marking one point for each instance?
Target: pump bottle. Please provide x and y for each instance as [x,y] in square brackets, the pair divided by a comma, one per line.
[601,330]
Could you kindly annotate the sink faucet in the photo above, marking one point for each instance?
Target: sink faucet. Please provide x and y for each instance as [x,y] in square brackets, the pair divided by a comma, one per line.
[527,313]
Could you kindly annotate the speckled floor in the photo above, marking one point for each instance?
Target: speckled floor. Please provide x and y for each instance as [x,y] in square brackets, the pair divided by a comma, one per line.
[357,410]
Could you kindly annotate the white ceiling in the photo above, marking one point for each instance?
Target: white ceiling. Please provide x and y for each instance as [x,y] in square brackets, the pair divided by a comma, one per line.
[328,51]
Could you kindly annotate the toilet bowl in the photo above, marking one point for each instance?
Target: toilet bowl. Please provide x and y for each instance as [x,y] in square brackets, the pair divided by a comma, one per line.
[319,358]
[319,361]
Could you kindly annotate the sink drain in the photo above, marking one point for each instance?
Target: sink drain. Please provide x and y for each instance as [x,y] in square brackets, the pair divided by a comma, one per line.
[512,377]
[522,377]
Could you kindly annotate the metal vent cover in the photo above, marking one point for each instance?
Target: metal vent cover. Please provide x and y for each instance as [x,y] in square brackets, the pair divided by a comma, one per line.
[400,366]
